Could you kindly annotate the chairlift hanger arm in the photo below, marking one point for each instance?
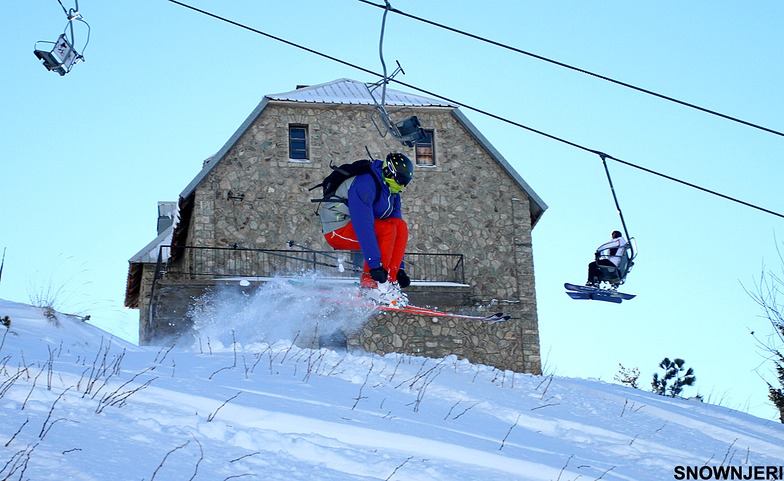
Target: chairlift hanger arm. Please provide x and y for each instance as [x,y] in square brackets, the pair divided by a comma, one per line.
[409,131]
[381,53]
[386,120]
[65,10]
[604,156]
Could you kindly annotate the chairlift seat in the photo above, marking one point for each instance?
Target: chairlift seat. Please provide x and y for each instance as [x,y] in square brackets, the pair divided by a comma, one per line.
[616,275]
[410,131]
[60,58]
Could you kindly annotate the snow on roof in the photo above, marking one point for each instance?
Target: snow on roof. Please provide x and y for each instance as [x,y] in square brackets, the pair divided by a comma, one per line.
[149,253]
[347,91]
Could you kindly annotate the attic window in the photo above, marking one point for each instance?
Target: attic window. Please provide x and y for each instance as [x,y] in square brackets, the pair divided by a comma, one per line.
[298,142]
[425,149]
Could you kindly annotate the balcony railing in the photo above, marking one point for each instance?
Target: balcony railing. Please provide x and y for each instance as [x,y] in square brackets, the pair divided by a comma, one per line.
[191,263]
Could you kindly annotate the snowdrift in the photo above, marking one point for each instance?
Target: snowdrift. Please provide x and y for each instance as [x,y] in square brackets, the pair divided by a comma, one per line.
[79,405]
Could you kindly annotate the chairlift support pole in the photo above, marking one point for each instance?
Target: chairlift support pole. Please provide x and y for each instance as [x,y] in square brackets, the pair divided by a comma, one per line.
[604,156]
[386,119]
[409,131]
[381,56]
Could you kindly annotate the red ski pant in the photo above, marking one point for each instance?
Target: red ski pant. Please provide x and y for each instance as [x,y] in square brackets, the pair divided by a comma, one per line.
[392,238]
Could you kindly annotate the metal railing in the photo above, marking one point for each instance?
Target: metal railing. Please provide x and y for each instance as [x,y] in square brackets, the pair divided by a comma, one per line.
[191,263]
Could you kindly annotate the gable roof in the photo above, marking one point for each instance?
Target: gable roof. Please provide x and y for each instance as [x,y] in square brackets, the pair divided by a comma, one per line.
[341,91]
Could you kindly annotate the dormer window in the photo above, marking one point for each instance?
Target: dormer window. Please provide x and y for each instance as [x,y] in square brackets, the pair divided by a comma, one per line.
[298,142]
[425,149]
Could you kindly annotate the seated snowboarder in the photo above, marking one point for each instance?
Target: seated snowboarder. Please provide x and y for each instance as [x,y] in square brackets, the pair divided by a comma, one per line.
[366,216]
[607,254]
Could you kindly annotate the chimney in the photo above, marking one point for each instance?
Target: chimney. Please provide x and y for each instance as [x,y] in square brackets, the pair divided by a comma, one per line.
[166,213]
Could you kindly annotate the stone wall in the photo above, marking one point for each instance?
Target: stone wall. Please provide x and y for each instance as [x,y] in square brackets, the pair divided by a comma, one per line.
[494,344]
[145,328]
[256,197]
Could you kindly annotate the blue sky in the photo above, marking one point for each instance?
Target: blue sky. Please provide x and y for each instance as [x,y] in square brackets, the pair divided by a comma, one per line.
[87,157]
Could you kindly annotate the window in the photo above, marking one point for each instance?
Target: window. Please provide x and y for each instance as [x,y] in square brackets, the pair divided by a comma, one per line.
[298,142]
[425,149]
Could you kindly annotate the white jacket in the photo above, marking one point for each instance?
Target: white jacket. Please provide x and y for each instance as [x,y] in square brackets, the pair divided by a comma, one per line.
[618,244]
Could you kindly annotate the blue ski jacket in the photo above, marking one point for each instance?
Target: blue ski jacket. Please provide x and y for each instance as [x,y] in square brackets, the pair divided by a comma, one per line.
[361,200]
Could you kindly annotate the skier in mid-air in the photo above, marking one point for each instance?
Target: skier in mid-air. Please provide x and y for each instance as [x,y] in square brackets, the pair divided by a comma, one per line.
[367,217]
[607,254]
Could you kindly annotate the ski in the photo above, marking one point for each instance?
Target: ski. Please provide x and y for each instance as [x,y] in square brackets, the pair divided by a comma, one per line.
[408,309]
[594,293]
[596,296]
[424,311]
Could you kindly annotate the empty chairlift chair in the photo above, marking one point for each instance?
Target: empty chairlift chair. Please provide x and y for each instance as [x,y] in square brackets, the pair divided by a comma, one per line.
[60,58]
[63,55]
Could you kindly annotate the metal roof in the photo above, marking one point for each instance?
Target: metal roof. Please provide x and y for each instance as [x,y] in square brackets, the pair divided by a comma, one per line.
[347,91]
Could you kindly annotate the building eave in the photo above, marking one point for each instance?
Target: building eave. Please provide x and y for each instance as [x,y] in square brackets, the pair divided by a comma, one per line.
[215,160]
[147,255]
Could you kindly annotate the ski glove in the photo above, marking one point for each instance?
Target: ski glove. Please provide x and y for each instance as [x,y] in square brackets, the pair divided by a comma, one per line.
[402,279]
[379,274]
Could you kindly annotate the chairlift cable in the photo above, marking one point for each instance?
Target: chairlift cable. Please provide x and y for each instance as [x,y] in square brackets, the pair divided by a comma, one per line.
[583,71]
[478,110]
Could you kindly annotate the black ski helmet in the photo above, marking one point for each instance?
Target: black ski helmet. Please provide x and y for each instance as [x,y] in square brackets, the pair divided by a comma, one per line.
[399,168]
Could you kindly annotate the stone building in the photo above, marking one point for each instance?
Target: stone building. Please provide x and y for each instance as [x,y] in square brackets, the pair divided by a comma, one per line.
[470,217]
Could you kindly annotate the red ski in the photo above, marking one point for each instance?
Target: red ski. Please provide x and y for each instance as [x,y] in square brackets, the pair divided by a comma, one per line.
[408,309]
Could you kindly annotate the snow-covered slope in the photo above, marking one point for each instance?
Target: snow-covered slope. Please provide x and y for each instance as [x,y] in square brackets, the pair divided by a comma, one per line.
[77,405]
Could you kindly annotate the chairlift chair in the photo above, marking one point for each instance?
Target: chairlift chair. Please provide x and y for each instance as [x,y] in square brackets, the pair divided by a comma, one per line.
[63,54]
[616,276]
[61,58]
[409,131]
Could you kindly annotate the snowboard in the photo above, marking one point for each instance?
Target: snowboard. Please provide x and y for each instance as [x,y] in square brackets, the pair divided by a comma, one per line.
[594,293]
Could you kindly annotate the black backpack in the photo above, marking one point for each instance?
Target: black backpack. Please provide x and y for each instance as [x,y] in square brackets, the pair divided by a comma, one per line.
[338,175]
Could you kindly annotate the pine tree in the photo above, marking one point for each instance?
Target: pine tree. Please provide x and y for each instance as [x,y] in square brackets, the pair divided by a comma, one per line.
[776,395]
[672,373]
[770,286]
